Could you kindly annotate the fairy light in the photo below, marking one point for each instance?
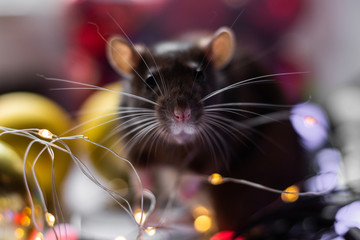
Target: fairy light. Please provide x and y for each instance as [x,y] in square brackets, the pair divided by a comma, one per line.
[27,211]
[290,194]
[45,134]
[25,221]
[309,121]
[215,179]
[39,236]
[19,233]
[200,210]
[150,231]
[50,219]
[140,216]
[59,143]
[203,223]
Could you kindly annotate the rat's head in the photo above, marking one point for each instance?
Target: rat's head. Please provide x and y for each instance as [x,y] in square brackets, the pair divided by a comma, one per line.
[175,76]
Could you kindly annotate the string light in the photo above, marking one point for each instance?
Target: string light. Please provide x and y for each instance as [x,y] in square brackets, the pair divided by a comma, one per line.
[309,121]
[203,223]
[39,236]
[140,216]
[59,143]
[27,211]
[150,231]
[50,219]
[290,194]
[200,210]
[25,221]
[215,179]
[45,134]
[19,233]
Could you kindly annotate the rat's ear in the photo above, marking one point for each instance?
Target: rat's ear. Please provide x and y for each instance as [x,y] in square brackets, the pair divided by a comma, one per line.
[221,47]
[122,55]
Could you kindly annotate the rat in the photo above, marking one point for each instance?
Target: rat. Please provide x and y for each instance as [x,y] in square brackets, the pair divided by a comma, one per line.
[198,96]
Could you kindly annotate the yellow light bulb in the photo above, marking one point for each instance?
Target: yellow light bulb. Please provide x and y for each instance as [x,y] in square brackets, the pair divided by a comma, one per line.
[291,194]
[27,211]
[309,121]
[50,219]
[151,231]
[25,221]
[19,233]
[200,210]
[215,179]
[137,216]
[203,223]
[39,236]
[45,134]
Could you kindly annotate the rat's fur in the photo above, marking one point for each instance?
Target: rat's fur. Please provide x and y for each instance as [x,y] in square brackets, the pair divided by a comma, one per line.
[178,75]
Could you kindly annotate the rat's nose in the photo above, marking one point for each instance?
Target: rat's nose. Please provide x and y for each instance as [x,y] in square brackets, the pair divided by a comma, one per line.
[182,114]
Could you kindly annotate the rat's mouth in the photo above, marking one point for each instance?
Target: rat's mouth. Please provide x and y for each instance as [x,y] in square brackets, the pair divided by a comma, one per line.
[182,132]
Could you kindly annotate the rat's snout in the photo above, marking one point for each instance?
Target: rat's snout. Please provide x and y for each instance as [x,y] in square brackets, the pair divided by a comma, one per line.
[182,114]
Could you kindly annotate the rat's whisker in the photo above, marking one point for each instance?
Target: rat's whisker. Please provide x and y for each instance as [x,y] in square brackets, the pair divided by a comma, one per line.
[138,119]
[267,118]
[226,128]
[206,139]
[249,127]
[240,111]
[249,104]
[117,109]
[261,119]
[94,87]
[133,117]
[135,113]
[152,135]
[259,79]
[163,83]
[145,128]
[229,123]
[214,140]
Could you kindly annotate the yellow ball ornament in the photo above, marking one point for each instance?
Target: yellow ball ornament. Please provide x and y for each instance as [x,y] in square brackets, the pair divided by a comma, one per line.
[21,110]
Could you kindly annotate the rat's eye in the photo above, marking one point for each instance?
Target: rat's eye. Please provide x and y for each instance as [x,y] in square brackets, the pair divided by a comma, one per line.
[199,76]
[150,82]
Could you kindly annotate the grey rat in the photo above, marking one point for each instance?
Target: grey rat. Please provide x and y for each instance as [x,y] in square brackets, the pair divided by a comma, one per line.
[193,121]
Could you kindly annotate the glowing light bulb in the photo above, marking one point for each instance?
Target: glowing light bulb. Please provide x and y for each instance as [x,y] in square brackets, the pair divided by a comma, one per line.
[203,223]
[138,218]
[39,236]
[151,231]
[45,134]
[309,121]
[291,195]
[215,179]
[27,211]
[25,221]
[120,238]
[50,219]
[19,233]
[200,210]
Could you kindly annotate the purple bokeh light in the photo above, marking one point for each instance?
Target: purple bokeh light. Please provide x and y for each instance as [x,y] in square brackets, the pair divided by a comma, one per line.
[327,165]
[347,217]
[310,122]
